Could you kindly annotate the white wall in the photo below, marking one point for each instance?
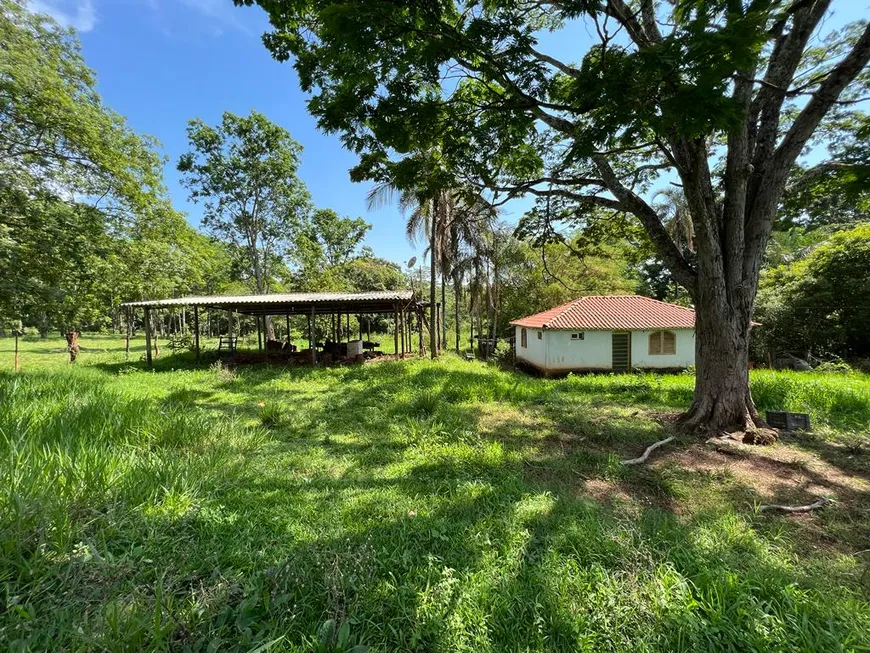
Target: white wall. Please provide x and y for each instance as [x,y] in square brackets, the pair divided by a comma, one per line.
[557,352]
[594,352]
[536,352]
[684,356]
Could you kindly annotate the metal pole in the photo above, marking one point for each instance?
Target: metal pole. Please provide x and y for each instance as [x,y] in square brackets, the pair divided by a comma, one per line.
[148,360]
[196,331]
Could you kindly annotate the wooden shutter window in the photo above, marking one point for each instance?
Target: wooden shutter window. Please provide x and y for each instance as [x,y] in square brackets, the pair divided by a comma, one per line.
[662,343]
[524,342]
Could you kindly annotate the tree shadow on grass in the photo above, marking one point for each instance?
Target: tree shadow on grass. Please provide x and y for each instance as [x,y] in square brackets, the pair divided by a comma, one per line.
[481,555]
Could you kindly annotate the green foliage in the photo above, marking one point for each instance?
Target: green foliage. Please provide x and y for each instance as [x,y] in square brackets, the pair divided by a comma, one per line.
[86,223]
[244,172]
[55,130]
[821,303]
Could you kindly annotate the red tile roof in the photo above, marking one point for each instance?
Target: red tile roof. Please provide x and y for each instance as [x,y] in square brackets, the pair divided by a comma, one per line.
[612,312]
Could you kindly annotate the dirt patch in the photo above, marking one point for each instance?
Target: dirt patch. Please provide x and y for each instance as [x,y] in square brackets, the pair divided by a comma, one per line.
[775,474]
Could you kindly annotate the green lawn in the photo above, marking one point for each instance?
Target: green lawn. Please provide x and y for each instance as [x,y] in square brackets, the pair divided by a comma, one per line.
[445,506]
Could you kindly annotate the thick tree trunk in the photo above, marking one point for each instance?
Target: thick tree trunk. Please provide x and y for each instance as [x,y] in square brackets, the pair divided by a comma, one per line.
[722,401]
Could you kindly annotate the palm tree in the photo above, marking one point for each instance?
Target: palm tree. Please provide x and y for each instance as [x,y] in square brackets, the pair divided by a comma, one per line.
[451,222]
[425,215]
[676,217]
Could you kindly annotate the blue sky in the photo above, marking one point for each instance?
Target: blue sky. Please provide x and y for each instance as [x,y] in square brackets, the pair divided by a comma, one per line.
[162,62]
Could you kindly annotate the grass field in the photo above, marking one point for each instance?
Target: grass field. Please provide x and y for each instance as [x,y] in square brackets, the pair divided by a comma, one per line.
[418,506]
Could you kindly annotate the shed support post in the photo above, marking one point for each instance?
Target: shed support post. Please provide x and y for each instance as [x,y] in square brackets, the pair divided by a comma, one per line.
[402,327]
[127,340]
[420,329]
[287,317]
[348,326]
[196,331]
[359,319]
[148,360]
[369,328]
[260,319]
[311,343]
[396,328]
[157,333]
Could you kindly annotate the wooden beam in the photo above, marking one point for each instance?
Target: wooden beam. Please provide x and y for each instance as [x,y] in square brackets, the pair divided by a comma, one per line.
[260,332]
[348,325]
[359,319]
[311,324]
[148,360]
[396,328]
[127,340]
[196,331]
[401,326]
[420,329]
[287,316]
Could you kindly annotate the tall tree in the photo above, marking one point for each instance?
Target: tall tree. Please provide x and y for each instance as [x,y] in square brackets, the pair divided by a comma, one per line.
[426,209]
[725,94]
[244,173]
[55,129]
[75,180]
[820,304]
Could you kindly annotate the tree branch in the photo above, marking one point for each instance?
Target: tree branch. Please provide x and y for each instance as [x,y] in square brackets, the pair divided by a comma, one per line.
[563,67]
[772,184]
[634,204]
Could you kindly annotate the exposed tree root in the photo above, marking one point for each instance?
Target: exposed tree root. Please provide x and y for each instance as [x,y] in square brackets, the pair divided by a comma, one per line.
[821,503]
[738,420]
[649,450]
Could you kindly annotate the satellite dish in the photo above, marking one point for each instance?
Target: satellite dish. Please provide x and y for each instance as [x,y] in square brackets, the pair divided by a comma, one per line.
[412,261]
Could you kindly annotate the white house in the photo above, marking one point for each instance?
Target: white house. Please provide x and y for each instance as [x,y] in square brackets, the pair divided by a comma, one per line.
[607,333]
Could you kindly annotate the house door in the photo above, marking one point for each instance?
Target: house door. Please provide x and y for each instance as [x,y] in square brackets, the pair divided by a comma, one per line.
[621,352]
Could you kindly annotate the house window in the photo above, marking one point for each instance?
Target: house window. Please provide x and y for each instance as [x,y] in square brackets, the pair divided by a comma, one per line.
[540,335]
[524,341]
[662,343]
[577,336]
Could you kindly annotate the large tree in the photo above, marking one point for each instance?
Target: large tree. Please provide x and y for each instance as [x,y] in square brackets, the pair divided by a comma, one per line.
[721,95]
[244,173]
[75,180]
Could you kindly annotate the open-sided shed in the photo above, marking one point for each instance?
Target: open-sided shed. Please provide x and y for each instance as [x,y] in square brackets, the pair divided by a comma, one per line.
[399,303]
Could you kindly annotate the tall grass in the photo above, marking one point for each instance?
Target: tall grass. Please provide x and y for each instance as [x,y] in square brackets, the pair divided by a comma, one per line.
[419,506]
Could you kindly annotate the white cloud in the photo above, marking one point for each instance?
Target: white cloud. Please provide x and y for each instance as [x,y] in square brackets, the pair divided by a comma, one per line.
[78,14]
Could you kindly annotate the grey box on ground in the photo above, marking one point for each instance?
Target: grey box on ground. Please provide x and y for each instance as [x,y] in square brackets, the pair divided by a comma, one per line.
[788,421]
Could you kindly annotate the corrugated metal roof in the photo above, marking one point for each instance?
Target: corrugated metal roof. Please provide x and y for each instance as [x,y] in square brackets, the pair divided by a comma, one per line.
[612,312]
[279,299]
